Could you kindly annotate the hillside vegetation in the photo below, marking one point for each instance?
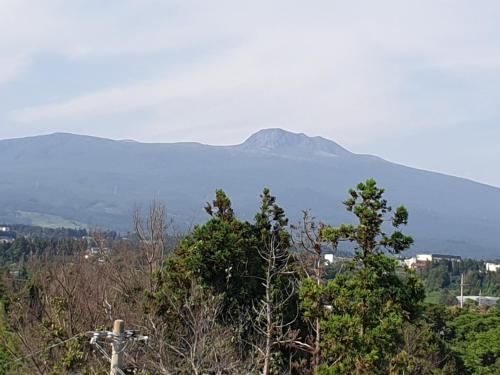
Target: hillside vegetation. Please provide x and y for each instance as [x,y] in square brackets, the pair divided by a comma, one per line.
[238,297]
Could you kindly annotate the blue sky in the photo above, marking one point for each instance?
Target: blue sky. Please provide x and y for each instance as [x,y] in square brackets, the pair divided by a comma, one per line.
[416,82]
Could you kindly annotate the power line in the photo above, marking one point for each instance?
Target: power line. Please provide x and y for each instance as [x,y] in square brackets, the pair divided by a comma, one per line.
[48,348]
[119,338]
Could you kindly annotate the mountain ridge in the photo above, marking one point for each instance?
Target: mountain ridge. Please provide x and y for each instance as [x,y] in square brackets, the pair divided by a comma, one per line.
[239,146]
[98,181]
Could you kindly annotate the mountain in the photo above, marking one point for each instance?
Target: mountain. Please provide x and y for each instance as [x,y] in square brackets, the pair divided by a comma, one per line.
[65,179]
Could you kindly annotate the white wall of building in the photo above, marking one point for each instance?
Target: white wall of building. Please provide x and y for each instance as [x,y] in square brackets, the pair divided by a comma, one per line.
[492,267]
[329,258]
[410,262]
[424,257]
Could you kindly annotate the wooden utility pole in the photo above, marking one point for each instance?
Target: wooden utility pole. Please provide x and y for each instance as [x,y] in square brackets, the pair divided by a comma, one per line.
[117,347]
[119,339]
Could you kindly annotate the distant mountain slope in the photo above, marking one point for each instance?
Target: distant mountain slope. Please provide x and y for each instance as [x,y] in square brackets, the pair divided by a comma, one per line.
[98,182]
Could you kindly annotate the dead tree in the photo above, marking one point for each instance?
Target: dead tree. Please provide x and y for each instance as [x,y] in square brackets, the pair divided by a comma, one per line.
[307,240]
[279,284]
[152,235]
[191,340]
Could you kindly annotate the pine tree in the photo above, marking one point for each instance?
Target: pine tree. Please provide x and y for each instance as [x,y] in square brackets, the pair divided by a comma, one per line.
[363,310]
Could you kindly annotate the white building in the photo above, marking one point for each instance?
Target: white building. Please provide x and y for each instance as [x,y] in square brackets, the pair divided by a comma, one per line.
[328,258]
[424,257]
[332,258]
[4,229]
[492,267]
[421,260]
[437,257]
[410,262]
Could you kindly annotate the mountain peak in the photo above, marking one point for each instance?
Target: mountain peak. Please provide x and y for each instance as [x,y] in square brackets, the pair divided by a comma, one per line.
[276,140]
[275,137]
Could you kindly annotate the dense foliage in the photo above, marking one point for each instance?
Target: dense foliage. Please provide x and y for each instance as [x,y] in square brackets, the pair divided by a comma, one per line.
[243,297]
[474,334]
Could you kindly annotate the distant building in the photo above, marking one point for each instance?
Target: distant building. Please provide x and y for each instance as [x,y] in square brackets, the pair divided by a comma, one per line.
[332,258]
[92,251]
[422,260]
[409,262]
[438,257]
[7,235]
[424,257]
[481,300]
[415,263]
[328,258]
[492,267]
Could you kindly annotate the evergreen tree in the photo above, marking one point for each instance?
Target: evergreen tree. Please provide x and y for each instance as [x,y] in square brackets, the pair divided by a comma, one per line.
[363,311]
[221,254]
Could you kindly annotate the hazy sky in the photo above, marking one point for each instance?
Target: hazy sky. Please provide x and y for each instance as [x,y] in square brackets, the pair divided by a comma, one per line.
[416,82]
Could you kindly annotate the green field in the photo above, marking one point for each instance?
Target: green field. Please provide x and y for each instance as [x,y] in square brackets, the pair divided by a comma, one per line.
[48,221]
